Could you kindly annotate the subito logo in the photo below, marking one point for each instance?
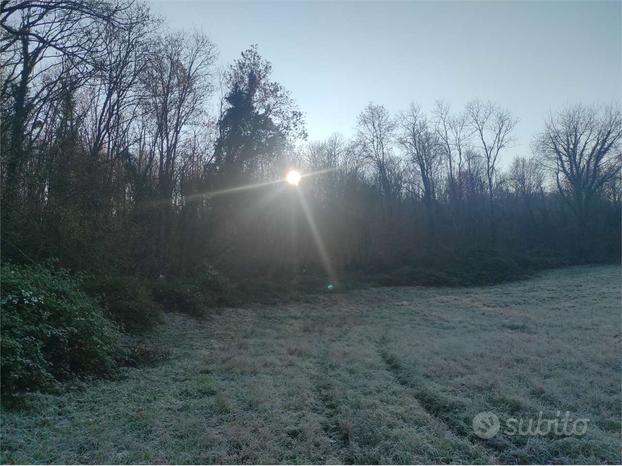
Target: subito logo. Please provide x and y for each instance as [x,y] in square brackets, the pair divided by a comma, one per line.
[486,425]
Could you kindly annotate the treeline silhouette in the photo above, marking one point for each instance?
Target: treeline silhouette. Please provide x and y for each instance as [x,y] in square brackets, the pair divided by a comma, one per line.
[113,164]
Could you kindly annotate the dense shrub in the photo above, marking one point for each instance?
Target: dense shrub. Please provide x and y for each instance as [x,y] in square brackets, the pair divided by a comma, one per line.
[179,295]
[51,329]
[128,301]
[194,294]
[472,267]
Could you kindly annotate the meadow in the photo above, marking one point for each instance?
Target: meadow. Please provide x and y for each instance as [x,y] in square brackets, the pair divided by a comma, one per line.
[379,375]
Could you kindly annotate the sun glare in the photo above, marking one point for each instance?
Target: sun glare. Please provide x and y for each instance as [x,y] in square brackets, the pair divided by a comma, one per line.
[293,177]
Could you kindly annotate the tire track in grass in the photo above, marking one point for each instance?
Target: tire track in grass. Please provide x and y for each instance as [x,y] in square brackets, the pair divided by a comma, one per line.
[331,388]
[367,429]
[440,408]
[324,390]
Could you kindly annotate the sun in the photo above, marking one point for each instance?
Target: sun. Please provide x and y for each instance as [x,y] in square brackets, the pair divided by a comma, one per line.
[293,177]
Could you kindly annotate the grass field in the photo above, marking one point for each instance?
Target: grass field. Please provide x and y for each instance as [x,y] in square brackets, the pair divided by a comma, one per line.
[390,375]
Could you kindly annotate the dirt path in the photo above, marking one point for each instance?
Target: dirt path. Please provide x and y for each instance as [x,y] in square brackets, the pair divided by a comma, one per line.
[392,375]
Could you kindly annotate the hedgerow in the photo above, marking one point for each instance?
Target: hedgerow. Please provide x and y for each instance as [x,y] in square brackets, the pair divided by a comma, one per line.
[51,330]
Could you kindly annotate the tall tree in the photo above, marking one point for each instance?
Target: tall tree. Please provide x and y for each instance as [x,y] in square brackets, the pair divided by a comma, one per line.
[373,142]
[493,128]
[113,95]
[423,148]
[258,119]
[583,146]
[452,132]
[44,44]
[177,87]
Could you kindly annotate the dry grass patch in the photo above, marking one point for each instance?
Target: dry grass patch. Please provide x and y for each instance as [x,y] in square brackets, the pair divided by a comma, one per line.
[386,375]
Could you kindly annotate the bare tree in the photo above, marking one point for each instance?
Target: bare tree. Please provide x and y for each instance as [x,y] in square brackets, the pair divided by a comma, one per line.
[49,38]
[47,50]
[113,95]
[326,159]
[492,127]
[373,143]
[452,132]
[422,148]
[583,145]
[177,86]
[526,180]
[526,176]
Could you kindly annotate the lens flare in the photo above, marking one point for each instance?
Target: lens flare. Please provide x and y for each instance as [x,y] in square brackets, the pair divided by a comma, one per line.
[319,242]
[293,177]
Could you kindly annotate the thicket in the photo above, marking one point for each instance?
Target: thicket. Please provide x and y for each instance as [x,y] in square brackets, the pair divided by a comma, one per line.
[51,330]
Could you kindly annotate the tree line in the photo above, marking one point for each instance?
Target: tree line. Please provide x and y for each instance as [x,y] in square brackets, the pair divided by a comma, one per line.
[114,161]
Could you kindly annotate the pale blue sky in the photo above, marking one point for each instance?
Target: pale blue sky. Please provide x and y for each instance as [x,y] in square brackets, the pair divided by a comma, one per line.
[532,57]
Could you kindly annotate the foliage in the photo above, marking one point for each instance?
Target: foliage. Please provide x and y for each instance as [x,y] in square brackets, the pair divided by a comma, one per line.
[51,330]
[128,301]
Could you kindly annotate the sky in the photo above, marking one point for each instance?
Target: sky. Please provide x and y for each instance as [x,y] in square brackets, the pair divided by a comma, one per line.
[531,57]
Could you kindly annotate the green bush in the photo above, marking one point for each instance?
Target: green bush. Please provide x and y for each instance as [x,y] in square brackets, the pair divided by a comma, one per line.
[51,330]
[128,301]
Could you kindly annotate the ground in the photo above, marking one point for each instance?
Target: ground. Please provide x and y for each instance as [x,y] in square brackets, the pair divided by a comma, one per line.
[389,375]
